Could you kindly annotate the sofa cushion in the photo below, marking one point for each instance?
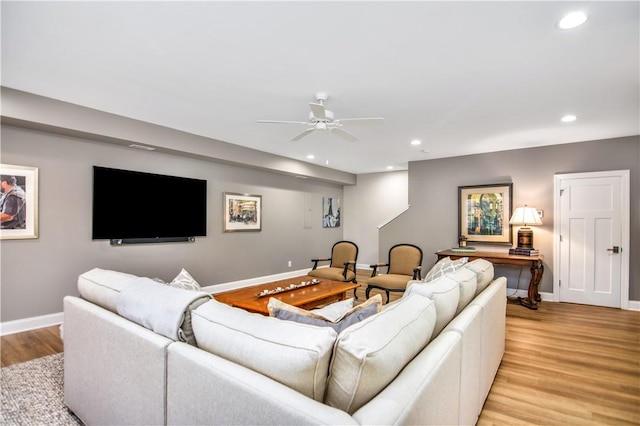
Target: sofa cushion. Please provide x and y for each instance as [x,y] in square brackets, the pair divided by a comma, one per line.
[444,266]
[467,280]
[484,271]
[445,292]
[165,310]
[369,355]
[284,311]
[296,355]
[102,287]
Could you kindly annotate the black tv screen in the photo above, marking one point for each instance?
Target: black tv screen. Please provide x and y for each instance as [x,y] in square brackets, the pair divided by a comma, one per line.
[136,205]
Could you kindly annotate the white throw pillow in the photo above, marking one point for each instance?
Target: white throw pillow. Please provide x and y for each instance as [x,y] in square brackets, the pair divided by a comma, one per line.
[186,281]
[296,355]
[444,266]
[445,292]
[335,310]
[368,355]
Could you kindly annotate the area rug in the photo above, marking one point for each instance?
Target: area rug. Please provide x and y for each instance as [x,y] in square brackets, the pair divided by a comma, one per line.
[32,393]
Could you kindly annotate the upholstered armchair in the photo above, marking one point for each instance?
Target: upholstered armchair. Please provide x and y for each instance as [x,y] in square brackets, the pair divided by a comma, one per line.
[404,265]
[342,265]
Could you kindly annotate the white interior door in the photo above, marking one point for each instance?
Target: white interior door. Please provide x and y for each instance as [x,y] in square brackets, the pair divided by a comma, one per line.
[593,238]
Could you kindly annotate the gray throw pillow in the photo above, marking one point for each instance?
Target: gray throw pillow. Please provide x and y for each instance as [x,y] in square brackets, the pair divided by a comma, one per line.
[348,320]
[284,311]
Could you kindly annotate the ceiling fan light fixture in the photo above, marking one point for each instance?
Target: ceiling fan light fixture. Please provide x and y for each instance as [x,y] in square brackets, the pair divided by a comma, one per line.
[572,20]
[321,118]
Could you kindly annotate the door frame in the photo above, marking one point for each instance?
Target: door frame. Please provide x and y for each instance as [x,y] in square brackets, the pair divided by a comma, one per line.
[625,223]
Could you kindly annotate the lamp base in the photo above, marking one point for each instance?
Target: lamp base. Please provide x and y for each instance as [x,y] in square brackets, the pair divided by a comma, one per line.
[525,238]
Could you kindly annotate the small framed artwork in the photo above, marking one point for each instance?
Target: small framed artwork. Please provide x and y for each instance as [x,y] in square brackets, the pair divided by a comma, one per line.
[18,202]
[330,212]
[484,212]
[242,212]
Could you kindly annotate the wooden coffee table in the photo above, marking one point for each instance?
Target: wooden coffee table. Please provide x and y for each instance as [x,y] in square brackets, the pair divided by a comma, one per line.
[306,297]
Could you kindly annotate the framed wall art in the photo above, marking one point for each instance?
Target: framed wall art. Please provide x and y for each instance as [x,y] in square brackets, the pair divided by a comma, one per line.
[242,212]
[18,202]
[484,212]
[330,212]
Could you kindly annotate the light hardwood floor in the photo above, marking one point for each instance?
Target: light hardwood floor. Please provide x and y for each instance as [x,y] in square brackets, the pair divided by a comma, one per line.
[564,364]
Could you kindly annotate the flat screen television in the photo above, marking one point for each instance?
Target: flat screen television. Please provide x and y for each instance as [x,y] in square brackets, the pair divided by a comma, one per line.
[136,207]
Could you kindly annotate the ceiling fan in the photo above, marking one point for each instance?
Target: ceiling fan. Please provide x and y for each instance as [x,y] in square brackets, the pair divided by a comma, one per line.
[321,118]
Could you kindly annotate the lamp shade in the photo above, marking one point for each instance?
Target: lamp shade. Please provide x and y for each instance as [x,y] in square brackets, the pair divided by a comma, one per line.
[525,216]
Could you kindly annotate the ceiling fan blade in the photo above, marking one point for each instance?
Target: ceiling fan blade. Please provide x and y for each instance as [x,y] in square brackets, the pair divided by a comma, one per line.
[303,134]
[285,122]
[344,134]
[318,111]
[370,120]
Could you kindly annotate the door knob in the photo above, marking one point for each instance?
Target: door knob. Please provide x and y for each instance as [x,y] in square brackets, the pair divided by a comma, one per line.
[615,249]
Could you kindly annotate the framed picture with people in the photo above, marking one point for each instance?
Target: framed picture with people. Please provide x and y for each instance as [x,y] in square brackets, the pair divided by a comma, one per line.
[18,202]
[242,212]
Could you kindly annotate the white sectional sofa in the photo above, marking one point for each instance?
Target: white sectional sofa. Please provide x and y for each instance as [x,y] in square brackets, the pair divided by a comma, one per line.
[425,359]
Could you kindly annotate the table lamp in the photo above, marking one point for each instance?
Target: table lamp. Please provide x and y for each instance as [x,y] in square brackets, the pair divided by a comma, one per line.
[525,216]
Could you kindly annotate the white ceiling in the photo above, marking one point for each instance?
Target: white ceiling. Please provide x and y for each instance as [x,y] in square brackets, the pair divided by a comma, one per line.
[463,77]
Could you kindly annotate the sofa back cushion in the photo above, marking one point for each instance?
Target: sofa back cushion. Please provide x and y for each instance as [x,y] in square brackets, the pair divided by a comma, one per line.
[367,356]
[484,271]
[445,292]
[102,287]
[296,355]
[468,283]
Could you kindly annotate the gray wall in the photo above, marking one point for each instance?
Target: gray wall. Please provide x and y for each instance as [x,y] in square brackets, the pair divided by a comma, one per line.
[36,274]
[431,222]
[375,199]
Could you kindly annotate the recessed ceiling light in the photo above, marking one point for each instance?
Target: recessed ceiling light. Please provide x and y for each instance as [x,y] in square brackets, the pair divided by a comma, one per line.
[572,20]
[416,142]
[569,118]
[389,167]
[311,156]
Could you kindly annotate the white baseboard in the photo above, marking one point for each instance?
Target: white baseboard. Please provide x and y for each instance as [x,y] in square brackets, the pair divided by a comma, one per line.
[219,288]
[546,297]
[18,326]
[634,305]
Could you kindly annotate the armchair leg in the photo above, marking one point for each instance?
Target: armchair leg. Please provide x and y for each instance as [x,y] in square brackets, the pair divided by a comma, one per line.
[355,296]
[387,292]
[367,291]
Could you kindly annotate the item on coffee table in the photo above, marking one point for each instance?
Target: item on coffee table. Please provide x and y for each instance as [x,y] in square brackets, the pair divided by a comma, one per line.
[288,288]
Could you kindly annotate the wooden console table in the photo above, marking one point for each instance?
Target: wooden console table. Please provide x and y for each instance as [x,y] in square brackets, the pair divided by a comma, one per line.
[533,262]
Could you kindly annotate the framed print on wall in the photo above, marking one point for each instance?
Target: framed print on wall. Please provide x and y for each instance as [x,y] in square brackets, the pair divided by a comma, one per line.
[330,212]
[18,202]
[242,212]
[484,212]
